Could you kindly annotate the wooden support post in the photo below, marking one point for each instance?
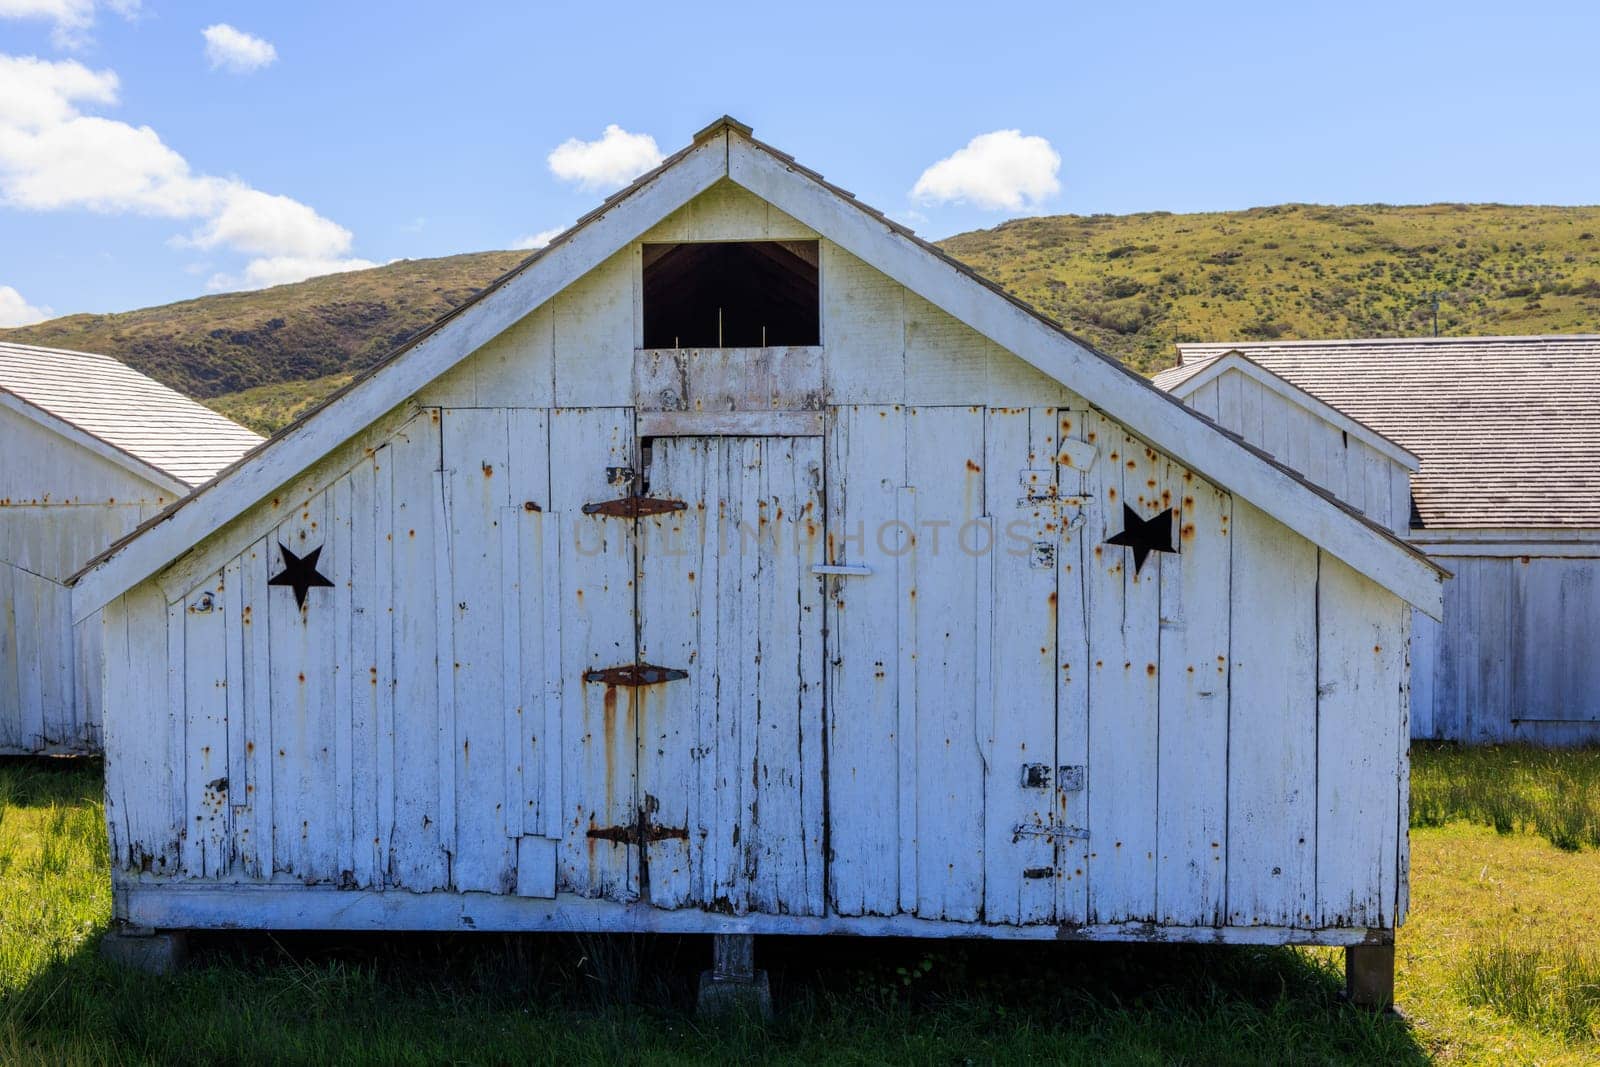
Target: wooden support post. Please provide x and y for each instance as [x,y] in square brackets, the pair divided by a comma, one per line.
[1369,976]
[733,986]
[733,957]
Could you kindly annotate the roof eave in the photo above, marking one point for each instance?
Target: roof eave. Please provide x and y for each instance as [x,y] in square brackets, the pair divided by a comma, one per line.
[122,458]
[1236,360]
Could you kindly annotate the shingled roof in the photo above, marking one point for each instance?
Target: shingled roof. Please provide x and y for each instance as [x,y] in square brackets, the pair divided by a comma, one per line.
[115,406]
[1508,428]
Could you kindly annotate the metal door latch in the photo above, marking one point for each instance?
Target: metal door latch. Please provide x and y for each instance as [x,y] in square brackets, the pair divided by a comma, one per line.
[1051,830]
[634,507]
[635,674]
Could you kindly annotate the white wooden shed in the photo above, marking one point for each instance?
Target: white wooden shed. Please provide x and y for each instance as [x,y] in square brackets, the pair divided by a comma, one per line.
[1499,439]
[741,564]
[91,449]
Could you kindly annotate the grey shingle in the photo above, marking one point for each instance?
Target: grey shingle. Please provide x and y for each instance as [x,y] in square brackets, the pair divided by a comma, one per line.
[1508,428]
[128,411]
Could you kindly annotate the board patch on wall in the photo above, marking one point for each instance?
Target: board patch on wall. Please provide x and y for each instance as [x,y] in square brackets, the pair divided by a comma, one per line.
[1144,536]
[299,573]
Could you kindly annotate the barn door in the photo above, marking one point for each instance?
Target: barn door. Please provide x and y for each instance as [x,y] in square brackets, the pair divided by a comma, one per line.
[730,754]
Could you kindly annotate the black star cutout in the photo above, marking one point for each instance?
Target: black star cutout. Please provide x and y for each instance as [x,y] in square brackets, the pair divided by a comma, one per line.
[1144,536]
[299,573]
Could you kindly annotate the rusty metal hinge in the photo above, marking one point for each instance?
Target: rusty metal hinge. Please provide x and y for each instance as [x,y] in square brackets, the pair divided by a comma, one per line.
[634,674]
[634,507]
[634,834]
[1049,829]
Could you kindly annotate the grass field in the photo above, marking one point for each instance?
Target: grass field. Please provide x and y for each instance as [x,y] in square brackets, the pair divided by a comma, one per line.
[1499,963]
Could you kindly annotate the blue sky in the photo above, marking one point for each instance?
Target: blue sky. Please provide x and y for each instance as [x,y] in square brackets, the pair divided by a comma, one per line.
[138,168]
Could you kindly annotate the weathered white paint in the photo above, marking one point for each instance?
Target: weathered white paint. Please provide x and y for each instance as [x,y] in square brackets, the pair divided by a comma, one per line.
[604,245]
[850,751]
[1353,462]
[1513,658]
[61,502]
[280,907]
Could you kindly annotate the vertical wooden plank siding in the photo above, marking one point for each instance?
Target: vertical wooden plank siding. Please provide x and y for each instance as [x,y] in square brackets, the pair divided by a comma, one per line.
[551,812]
[261,757]
[865,468]
[944,457]
[369,611]
[446,739]
[1424,650]
[383,728]
[11,727]
[477,474]
[143,794]
[416,858]
[1124,619]
[993,717]
[903,538]
[340,571]
[238,790]
[1360,631]
[724,588]
[1403,784]
[1018,691]
[1076,561]
[303,680]
[678,578]
[597,725]
[1272,728]
[1192,799]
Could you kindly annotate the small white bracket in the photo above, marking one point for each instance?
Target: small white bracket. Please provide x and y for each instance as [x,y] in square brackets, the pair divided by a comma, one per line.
[1079,455]
[845,570]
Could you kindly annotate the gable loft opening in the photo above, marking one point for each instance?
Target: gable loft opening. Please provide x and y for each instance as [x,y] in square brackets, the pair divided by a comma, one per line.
[731,294]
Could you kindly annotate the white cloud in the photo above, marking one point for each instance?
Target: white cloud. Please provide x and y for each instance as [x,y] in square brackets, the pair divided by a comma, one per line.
[70,20]
[15,311]
[1002,170]
[234,50]
[55,158]
[540,239]
[281,270]
[610,162]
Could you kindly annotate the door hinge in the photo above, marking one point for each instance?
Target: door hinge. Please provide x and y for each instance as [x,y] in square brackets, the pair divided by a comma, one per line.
[1049,829]
[634,674]
[634,507]
[645,832]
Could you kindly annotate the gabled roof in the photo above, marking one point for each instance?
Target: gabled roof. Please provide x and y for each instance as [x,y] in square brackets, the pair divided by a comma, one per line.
[1507,428]
[1197,376]
[111,409]
[726,150]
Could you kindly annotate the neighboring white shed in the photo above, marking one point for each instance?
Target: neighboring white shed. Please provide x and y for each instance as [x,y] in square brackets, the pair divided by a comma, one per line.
[1506,496]
[91,449]
[741,564]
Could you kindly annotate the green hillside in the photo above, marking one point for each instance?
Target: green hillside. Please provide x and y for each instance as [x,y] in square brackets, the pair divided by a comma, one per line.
[1130,284]
[215,345]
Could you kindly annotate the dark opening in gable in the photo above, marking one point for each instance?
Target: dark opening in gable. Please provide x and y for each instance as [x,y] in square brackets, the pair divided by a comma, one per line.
[731,294]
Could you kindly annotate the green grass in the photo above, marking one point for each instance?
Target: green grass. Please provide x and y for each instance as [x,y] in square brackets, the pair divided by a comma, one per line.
[1514,788]
[1497,964]
[1556,990]
[267,409]
[1131,284]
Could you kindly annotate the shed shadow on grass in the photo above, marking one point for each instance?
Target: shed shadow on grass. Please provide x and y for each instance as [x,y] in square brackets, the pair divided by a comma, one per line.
[619,998]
